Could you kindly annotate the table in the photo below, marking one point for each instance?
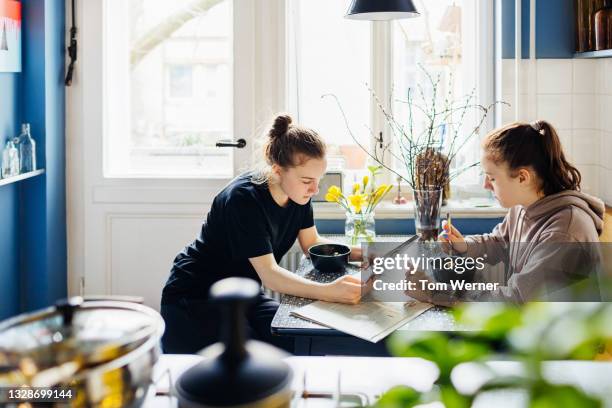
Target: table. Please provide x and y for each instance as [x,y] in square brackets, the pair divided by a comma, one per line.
[374,375]
[312,339]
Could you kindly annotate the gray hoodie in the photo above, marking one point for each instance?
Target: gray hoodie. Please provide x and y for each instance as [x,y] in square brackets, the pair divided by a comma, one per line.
[545,246]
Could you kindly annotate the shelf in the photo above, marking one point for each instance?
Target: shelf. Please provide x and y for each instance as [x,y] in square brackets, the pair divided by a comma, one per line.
[594,54]
[20,177]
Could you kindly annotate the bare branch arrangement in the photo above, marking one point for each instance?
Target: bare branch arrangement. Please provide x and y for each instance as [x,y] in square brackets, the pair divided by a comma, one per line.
[427,161]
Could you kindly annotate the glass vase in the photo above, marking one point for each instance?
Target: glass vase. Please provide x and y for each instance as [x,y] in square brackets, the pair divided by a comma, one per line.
[360,228]
[427,204]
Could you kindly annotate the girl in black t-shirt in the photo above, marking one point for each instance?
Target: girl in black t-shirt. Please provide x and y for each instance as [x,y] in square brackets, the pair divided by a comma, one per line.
[252,223]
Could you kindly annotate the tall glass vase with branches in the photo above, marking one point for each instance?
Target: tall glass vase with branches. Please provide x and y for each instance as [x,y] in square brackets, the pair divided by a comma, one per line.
[415,142]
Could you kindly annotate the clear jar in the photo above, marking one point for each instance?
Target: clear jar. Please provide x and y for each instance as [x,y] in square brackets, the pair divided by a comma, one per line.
[427,205]
[360,227]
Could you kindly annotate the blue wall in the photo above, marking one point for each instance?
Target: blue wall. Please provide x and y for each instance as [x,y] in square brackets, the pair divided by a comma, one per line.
[44,276]
[9,197]
[555,28]
[32,212]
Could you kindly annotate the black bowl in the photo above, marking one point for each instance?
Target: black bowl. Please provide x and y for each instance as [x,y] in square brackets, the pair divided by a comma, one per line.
[329,257]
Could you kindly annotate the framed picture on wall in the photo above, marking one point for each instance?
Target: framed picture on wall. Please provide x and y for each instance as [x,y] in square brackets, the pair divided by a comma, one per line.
[10,36]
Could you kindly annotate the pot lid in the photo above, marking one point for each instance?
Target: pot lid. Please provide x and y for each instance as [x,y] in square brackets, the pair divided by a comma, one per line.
[73,333]
[260,376]
[236,372]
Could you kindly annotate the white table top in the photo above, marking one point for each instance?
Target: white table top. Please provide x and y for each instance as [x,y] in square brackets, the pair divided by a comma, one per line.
[374,375]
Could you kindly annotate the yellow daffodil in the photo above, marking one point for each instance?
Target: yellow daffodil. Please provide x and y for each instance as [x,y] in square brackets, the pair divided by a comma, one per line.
[366,179]
[332,198]
[334,195]
[378,195]
[334,190]
[357,201]
[356,188]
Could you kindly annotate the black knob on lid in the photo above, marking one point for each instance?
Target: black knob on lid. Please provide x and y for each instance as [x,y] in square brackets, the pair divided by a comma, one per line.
[67,307]
[233,295]
[245,372]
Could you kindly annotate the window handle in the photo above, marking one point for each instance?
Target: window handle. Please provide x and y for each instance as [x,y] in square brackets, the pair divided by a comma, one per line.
[240,143]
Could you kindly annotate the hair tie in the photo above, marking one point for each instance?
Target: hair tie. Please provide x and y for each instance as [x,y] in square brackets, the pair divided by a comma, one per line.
[538,127]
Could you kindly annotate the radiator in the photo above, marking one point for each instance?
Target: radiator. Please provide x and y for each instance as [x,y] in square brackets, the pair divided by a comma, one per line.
[290,261]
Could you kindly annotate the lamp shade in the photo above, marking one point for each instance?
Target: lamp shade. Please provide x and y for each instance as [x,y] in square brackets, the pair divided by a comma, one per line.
[381,10]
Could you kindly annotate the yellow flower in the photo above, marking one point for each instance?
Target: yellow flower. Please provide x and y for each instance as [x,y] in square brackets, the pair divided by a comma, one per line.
[332,198]
[365,183]
[356,188]
[357,201]
[334,195]
[379,194]
[334,190]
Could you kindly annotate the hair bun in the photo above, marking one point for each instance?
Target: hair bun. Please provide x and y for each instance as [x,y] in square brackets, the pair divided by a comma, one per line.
[539,126]
[280,126]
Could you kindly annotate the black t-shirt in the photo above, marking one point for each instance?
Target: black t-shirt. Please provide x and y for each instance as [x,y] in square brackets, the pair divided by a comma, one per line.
[244,222]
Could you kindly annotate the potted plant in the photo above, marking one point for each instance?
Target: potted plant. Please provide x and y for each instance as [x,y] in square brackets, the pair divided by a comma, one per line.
[529,334]
[426,143]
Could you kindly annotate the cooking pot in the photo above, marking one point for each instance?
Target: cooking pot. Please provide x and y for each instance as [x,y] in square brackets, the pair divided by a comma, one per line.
[103,351]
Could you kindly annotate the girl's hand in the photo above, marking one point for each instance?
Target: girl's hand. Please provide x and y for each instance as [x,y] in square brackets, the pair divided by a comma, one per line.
[345,289]
[356,254]
[452,237]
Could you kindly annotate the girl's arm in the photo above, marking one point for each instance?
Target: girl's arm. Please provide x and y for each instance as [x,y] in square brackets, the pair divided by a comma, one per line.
[309,237]
[494,244]
[346,289]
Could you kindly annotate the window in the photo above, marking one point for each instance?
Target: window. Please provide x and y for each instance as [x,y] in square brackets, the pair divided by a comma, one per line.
[432,45]
[356,60]
[172,87]
[180,81]
[171,97]
[330,55]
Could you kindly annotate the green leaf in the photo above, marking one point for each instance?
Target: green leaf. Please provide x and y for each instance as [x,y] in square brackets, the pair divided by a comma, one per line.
[375,169]
[438,348]
[399,397]
[452,399]
[488,321]
[561,396]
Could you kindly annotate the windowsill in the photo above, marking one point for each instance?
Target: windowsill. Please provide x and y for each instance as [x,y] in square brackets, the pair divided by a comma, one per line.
[469,208]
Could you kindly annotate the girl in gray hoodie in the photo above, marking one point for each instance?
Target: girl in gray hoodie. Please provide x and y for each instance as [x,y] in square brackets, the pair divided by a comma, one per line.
[549,237]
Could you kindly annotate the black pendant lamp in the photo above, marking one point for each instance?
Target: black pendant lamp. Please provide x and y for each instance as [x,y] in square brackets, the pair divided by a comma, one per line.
[381,10]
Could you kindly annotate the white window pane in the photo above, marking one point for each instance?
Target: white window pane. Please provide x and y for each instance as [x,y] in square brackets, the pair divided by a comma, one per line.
[434,44]
[330,55]
[177,101]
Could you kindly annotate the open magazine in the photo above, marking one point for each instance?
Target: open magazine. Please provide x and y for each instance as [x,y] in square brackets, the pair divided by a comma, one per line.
[370,320]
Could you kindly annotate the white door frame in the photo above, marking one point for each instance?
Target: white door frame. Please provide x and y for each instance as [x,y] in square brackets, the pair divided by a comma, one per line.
[95,202]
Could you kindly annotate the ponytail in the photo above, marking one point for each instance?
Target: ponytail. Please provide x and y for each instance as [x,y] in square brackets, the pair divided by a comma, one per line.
[535,145]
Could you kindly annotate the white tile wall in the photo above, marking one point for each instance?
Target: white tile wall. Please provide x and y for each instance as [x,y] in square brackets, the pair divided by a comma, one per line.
[556,109]
[554,76]
[584,80]
[575,96]
[584,111]
[586,147]
[604,88]
[590,179]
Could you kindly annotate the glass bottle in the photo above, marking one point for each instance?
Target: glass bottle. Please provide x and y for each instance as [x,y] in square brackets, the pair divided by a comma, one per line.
[603,27]
[10,160]
[27,150]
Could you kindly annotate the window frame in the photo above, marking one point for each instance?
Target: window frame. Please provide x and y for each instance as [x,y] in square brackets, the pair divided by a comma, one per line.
[482,47]
[261,32]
